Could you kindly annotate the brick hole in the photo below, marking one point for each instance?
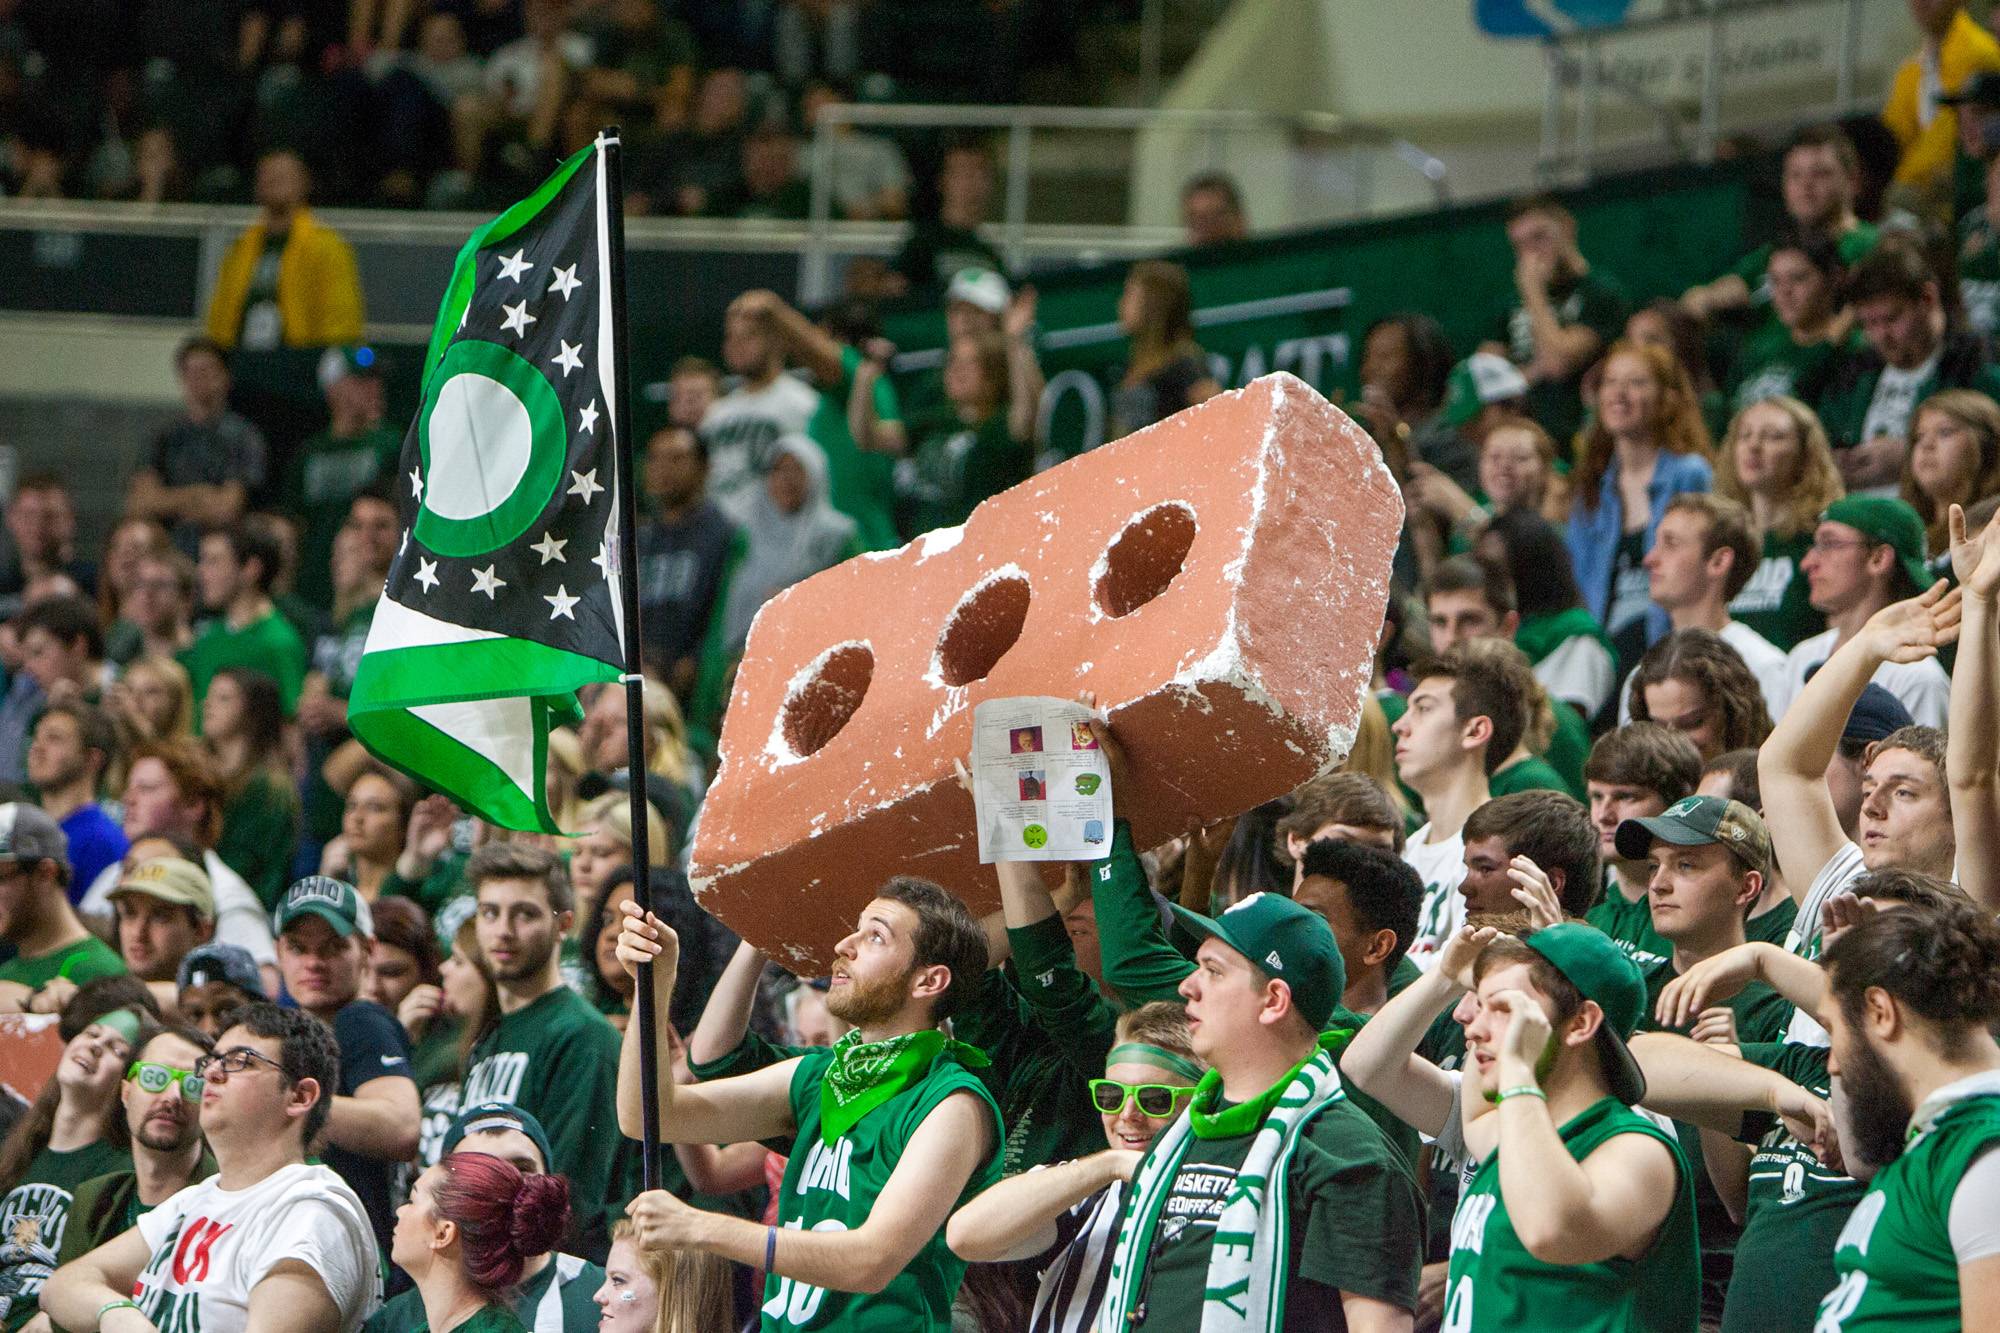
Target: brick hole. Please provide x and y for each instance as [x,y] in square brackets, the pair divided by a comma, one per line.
[818,709]
[1144,559]
[982,629]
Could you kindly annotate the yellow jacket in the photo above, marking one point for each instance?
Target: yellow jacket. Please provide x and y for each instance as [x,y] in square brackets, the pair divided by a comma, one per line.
[1929,150]
[319,287]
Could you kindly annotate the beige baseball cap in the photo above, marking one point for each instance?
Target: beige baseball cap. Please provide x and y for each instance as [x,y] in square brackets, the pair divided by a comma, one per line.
[171,880]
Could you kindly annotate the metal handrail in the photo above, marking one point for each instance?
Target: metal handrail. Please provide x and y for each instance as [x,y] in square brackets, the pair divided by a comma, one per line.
[1019,123]
[1582,48]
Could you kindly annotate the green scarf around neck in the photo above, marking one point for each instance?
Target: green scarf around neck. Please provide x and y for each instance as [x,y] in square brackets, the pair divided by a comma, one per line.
[1233,1122]
[864,1074]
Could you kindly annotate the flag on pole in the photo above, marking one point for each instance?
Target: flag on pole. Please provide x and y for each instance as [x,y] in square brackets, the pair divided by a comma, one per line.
[504,597]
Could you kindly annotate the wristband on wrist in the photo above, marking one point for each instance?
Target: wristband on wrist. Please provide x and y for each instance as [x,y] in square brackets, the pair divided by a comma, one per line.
[1525,1090]
[770,1247]
[109,1306]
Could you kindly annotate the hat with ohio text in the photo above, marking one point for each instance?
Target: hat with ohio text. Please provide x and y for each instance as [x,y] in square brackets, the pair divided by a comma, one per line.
[334,901]
[1285,942]
[1602,974]
[1695,821]
[28,834]
[489,1116]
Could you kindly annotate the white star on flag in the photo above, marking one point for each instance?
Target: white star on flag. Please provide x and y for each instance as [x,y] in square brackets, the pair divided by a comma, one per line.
[584,484]
[427,573]
[568,357]
[416,483]
[518,318]
[587,418]
[488,582]
[513,266]
[606,559]
[550,547]
[560,604]
[565,281]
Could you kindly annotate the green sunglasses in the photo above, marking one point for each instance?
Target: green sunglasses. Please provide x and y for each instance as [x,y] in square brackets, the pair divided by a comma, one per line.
[157,1078]
[1161,1101]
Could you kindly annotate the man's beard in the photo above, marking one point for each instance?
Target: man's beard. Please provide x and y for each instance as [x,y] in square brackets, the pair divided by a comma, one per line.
[527,961]
[1870,1109]
[860,1005]
[151,1136]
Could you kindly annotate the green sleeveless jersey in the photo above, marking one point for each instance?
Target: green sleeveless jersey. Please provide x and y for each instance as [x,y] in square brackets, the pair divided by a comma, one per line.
[1895,1261]
[1496,1286]
[833,1186]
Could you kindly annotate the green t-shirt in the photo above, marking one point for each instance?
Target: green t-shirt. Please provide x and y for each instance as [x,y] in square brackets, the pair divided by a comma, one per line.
[1776,601]
[1495,1284]
[1796,1209]
[33,1216]
[260,829]
[557,1058]
[957,466]
[86,960]
[1761,1013]
[1774,926]
[1354,1225]
[1595,301]
[319,487]
[557,1297]
[1531,774]
[1895,1261]
[268,644]
[833,1186]
[1630,926]
[1770,362]
[1979,271]
[861,483]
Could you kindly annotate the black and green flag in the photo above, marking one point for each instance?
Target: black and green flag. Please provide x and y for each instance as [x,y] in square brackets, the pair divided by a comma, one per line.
[504,597]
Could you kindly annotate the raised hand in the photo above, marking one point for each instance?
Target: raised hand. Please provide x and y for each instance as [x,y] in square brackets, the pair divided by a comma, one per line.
[1705,985]
[1533,891]
[1461,951]
[1717,1027]
[1526,1037]
[1975,557]
[644,938]
[1020,316]
[1915,628]
[1843,912]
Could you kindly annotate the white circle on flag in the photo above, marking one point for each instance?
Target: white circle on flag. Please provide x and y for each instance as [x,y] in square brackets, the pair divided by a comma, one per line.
[481,440]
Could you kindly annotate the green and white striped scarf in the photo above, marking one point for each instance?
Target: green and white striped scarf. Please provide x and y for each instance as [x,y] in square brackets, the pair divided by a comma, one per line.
[1247,1260]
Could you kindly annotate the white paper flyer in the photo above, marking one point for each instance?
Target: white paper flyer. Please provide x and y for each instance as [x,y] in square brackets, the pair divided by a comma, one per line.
[1040,784]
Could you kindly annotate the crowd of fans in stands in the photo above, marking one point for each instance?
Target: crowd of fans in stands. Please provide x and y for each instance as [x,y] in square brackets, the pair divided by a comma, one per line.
[1637,970]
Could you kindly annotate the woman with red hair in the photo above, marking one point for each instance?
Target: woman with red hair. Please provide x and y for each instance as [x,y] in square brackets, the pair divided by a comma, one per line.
[470,1226]
[1645,445]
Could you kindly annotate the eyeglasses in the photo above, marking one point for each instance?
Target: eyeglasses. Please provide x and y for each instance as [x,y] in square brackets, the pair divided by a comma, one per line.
[1161,1101]
[1828,545]
[232,1062]
[157,1078]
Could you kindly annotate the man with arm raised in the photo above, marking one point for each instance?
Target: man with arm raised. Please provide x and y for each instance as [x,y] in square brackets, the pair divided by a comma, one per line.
[890,1131]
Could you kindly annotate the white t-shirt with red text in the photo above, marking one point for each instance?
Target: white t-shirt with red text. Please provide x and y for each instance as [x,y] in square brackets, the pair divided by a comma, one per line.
[212,1246]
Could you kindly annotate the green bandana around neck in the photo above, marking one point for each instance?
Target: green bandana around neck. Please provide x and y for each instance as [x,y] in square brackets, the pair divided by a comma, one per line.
[864,1074]
[1233,1122]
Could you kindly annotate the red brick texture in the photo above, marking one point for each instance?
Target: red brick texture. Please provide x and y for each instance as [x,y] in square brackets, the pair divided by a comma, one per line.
[1217,580]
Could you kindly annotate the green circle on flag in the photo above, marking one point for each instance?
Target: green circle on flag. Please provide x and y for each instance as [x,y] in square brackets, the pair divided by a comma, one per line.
[493,444]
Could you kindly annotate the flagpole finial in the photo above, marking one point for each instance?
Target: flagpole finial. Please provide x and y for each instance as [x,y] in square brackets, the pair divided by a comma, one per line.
[610,134]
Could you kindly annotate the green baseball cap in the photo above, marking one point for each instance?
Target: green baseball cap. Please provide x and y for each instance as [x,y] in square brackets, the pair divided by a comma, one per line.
[1601,973]
[1890,521]
[1479,381]
[1285,942]
[1696,821]
[334,901]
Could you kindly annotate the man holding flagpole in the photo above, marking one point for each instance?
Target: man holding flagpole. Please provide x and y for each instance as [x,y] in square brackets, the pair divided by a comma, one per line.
[890,1132]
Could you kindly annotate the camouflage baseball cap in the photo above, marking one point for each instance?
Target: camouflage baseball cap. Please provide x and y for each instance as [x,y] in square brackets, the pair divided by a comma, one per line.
[1698,820]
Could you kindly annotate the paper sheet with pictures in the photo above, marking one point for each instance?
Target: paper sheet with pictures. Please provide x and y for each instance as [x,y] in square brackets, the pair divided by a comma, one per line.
[1039,782]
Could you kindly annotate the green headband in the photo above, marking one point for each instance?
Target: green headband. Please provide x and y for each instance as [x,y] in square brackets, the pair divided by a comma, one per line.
[122,1021]
[1145,1053]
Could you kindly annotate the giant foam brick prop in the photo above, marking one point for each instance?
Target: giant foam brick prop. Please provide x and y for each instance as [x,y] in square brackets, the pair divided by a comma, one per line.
[1217,580]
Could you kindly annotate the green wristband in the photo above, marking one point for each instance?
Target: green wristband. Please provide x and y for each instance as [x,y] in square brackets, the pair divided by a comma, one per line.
[1525,1090]
[109,1306]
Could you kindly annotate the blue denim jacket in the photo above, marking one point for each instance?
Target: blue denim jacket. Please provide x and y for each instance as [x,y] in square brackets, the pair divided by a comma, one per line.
[1593,533]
